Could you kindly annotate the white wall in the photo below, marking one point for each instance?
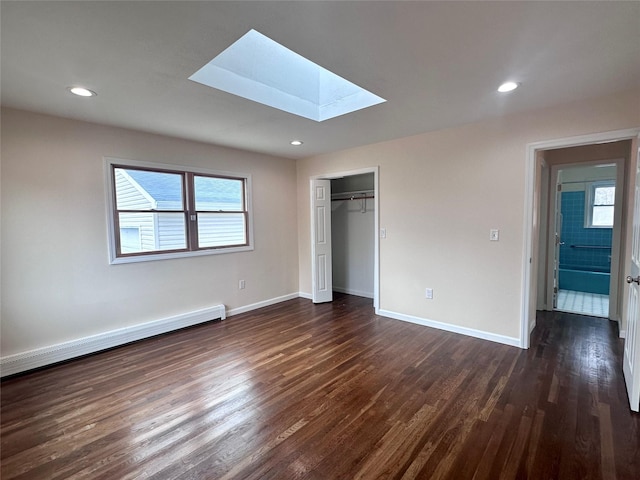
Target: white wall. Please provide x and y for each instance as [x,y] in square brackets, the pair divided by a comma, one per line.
[576,179]
[57,284]
[441,193]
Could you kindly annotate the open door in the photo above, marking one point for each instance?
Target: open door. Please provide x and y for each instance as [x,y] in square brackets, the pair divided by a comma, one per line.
[555,241]
[631,358]
[322,288]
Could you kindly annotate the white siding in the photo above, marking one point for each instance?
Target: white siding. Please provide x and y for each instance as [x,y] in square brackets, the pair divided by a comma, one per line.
[166,231]
[171,231]
[128,197]
[216,230]
[146,223]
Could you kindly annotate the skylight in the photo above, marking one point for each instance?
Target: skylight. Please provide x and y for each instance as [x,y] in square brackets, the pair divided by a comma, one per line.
[259,69]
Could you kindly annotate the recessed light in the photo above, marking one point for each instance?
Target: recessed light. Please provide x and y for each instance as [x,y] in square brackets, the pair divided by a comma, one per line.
[296,143]
[508,87]
[82,92]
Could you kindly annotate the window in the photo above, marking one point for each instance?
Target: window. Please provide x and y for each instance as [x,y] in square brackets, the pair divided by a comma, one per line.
[600,205]
[130,240]
[159,212]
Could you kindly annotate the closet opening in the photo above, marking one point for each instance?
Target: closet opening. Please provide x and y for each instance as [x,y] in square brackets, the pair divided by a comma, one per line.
[344,242]
[353,234]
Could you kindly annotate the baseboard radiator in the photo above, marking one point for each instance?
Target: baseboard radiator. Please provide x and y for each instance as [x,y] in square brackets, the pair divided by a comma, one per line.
[41,357]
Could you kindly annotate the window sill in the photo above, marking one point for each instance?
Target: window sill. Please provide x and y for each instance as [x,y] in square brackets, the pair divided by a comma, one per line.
[169,256]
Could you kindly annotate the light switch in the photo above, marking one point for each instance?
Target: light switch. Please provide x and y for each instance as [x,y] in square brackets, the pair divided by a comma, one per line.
[383,233]
[494,234]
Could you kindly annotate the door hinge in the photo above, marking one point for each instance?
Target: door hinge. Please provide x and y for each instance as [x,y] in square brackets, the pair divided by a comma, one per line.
[559,187]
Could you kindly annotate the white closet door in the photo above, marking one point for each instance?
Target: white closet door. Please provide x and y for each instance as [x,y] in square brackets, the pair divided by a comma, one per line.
[321,241]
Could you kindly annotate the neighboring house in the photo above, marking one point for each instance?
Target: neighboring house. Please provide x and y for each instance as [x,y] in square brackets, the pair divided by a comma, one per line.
[219,203]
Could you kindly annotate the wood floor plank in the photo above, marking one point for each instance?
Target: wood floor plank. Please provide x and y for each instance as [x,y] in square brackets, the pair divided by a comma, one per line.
[606,443]
[328,391]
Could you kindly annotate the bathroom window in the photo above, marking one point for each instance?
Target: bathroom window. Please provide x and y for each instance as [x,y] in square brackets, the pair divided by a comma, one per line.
[600,202]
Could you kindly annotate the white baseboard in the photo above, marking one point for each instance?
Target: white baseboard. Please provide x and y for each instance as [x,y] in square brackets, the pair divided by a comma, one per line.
[514,342]
[40,357]
[350,291]
[265,303]
[621,333]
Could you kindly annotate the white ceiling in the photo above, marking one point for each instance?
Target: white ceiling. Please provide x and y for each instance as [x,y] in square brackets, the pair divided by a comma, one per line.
[438,64]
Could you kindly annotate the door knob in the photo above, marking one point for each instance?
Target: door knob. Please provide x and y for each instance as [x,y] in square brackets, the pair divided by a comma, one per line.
[630,279]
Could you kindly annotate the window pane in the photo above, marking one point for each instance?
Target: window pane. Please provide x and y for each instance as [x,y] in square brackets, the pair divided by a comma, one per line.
[156,231]
[130,241]
[145,190]
[214,194]
[604,195]
[221,229]
[602,216]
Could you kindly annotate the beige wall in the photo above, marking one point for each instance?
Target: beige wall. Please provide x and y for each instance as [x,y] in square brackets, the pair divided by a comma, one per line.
[57,284]
[440,194]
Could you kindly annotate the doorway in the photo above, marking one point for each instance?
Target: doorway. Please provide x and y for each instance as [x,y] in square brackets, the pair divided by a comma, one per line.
[352,234]
[580,261]
[584,240]
[535,292]
[344,240]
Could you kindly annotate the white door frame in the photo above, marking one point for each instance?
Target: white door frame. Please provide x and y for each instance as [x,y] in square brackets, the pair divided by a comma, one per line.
[528,299]
[376,228]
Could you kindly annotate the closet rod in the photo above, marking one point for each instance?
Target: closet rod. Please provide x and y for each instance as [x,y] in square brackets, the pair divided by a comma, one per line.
[354,192]
[351,198]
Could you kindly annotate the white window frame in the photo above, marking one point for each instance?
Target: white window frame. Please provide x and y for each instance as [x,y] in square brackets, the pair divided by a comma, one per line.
[114,259]
[589,202]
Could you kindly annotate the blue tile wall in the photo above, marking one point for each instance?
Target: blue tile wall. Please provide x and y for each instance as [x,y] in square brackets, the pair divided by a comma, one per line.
[574,233]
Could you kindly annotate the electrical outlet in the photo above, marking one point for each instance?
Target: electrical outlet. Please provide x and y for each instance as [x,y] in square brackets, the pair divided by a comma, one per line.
[429,293]
[241,284]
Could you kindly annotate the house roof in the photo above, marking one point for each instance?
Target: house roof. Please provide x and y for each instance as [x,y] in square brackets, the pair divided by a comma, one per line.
[166,188]
[438,64]
[159,187]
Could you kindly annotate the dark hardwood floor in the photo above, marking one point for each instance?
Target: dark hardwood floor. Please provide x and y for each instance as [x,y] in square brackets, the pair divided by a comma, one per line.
[303,391]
